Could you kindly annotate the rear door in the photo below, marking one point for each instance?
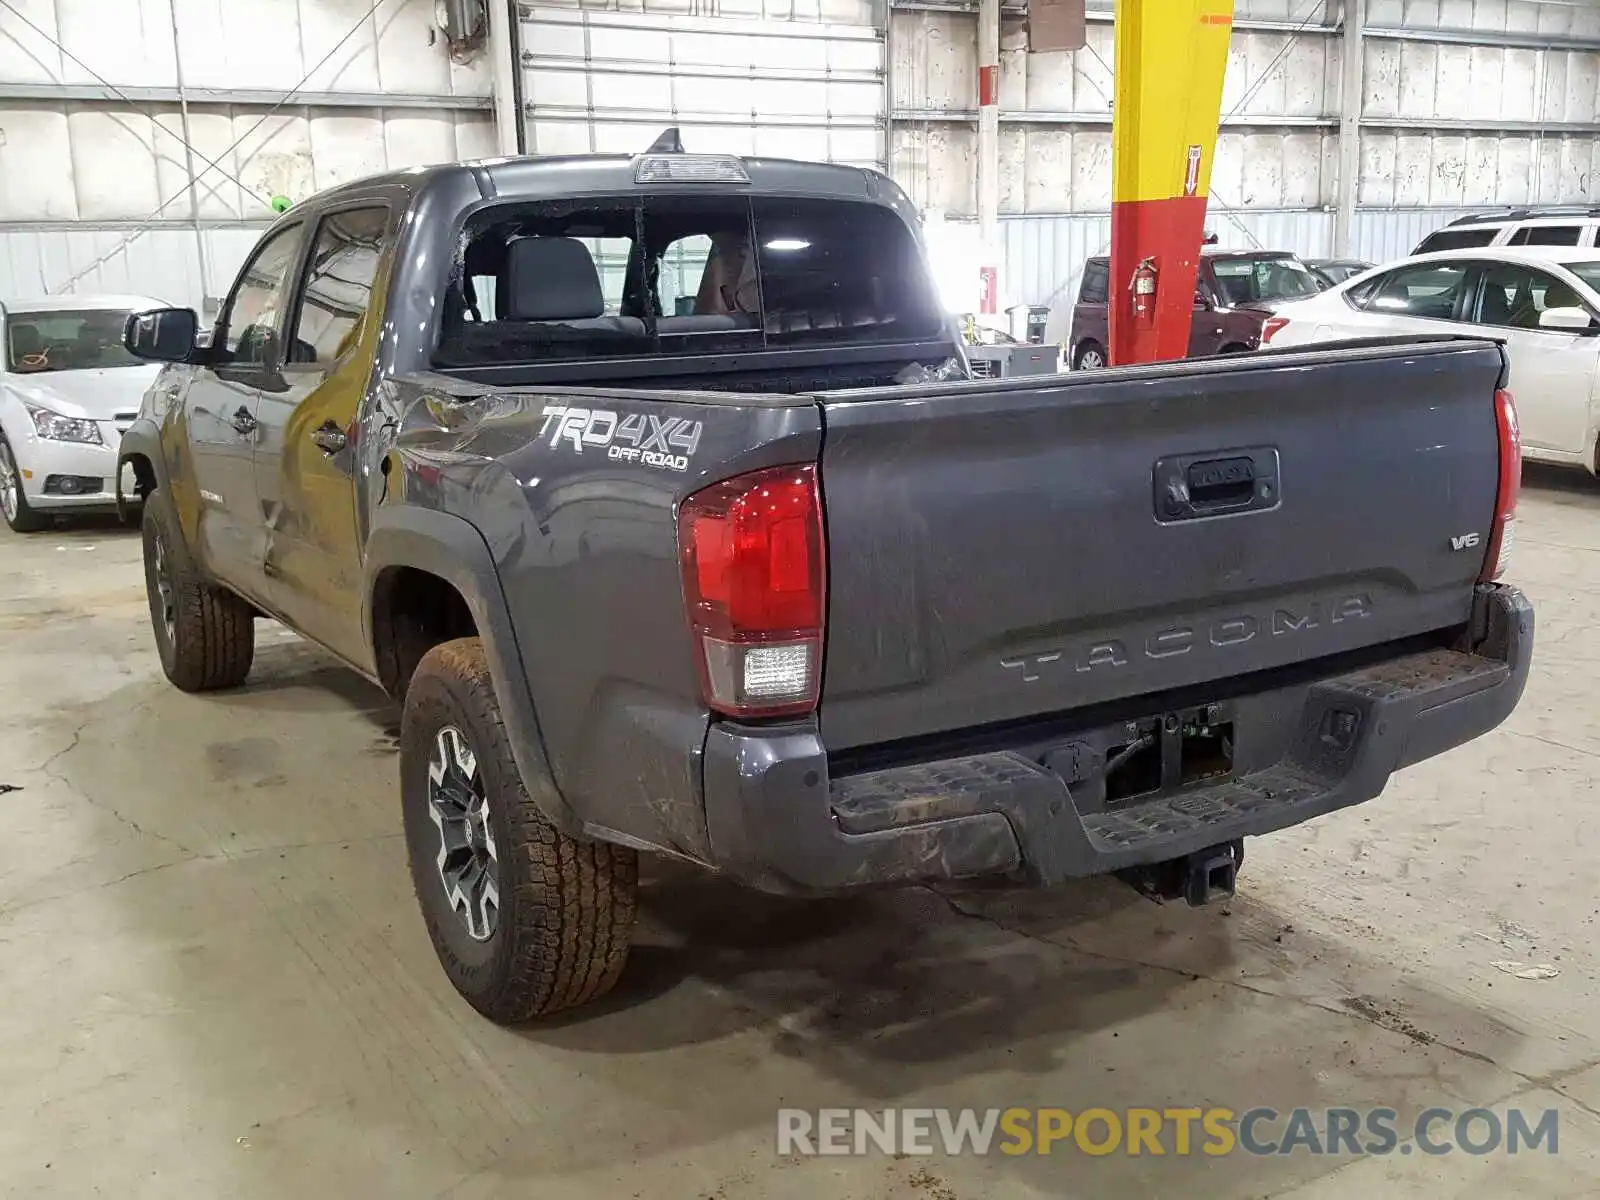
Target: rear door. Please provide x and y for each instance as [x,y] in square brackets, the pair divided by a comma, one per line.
[1206,324]
[306,451]
[220,407]
[1091,333]
[1005,550]
[1552,370]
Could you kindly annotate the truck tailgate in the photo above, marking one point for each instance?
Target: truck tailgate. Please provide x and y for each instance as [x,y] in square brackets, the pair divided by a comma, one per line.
[1005,550]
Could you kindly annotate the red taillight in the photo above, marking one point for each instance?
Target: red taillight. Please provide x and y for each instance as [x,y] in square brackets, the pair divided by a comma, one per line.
[1271,326]
[1498,558]
[753,578]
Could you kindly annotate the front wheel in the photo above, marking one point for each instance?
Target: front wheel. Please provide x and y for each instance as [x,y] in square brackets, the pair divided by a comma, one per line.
[205,635]
[13,500]
[525,920]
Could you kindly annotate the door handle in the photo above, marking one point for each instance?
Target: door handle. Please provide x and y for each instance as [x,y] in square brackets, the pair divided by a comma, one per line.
[329,438]
[244,421]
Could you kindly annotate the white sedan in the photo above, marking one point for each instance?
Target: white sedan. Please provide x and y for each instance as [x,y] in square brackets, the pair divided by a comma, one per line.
[1543,302]
[68,389]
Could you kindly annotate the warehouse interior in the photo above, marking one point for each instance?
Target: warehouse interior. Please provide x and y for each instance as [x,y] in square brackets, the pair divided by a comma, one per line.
[216,979]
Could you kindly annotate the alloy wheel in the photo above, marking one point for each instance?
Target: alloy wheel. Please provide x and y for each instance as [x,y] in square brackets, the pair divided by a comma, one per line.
[166,592]
[9,483]
[469,864]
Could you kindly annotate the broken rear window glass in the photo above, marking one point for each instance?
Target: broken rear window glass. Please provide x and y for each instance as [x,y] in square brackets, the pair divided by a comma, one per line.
[675,275]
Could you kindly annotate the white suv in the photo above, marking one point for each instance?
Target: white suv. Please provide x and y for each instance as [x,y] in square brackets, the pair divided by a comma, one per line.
[1516,227]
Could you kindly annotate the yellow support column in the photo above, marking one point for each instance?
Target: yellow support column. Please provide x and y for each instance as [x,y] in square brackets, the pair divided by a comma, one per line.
[1171,56]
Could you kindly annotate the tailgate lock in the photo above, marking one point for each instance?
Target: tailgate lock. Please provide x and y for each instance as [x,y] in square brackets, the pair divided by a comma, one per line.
[1216,483]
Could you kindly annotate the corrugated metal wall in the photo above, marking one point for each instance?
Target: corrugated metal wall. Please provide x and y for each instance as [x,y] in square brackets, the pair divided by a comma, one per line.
[163,263]
[91,131]
[1447,123]
[1045,255]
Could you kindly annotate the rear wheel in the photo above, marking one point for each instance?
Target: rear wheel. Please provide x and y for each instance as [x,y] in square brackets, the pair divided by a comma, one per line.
[13,500]
[205,635]
[1091,357]
[525,920]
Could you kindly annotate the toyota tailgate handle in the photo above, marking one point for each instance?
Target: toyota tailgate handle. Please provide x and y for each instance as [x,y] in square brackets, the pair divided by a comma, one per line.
[1221,482]
[1217,484]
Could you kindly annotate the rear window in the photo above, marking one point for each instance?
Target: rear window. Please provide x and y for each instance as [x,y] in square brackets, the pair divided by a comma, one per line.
[1250,280]
[1546,235]
[1455,239]
[1096,274]
[682,275]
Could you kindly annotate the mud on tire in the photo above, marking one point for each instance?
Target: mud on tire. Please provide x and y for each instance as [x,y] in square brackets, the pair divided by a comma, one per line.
[205,634]
[525,920]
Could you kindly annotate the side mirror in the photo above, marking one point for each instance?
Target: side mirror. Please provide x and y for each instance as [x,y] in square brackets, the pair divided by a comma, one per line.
[1570,320]
[1202,301]
[162,335]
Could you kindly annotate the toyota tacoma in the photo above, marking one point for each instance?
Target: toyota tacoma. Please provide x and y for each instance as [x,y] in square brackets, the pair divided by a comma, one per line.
[655,490]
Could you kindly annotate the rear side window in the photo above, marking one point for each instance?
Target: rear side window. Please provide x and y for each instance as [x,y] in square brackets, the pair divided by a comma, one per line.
[1456,239]
[1425,290]
[1096,274]
[1546,235]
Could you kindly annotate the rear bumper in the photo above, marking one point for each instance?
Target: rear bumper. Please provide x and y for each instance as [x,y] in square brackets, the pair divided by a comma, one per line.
[777,822]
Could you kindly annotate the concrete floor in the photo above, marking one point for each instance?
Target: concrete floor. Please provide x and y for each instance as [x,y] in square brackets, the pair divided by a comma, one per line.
[214,981]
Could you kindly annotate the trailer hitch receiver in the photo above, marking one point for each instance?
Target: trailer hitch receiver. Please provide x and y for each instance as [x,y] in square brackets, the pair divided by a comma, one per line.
[1197,879]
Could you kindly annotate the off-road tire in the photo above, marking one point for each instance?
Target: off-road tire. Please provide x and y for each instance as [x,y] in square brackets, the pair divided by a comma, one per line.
[566,907]
[26,519]
[212,640]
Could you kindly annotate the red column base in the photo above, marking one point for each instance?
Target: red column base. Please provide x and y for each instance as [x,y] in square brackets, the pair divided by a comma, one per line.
[1171,232]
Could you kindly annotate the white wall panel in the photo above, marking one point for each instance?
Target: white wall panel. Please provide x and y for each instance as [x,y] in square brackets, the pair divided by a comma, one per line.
[1276,84]
[163,263]
[597,81]
[1558,17]
[117,159]
[120,164]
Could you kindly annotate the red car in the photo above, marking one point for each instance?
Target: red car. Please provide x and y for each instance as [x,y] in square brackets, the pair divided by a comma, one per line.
[1234,294]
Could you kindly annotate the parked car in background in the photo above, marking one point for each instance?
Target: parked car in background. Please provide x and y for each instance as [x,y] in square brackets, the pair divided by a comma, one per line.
[68,390]
[1566,226]
[1235,290]
[1544,303]
[1331,271]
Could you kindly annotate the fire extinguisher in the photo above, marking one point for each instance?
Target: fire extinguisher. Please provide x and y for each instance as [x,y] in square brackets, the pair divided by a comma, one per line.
[1144,294]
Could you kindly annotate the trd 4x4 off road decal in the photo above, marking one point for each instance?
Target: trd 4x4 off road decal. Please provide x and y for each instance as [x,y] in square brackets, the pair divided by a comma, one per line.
[666,443]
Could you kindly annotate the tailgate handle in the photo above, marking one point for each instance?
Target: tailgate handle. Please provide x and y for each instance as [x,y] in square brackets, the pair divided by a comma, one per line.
[1221,482]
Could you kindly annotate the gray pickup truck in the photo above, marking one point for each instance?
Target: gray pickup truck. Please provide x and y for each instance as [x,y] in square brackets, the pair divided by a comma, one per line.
[653,488]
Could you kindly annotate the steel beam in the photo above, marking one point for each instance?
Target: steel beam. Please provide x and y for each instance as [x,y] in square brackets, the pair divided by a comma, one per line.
[989,155]
[237,97]
[1351,98]
[505,61]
